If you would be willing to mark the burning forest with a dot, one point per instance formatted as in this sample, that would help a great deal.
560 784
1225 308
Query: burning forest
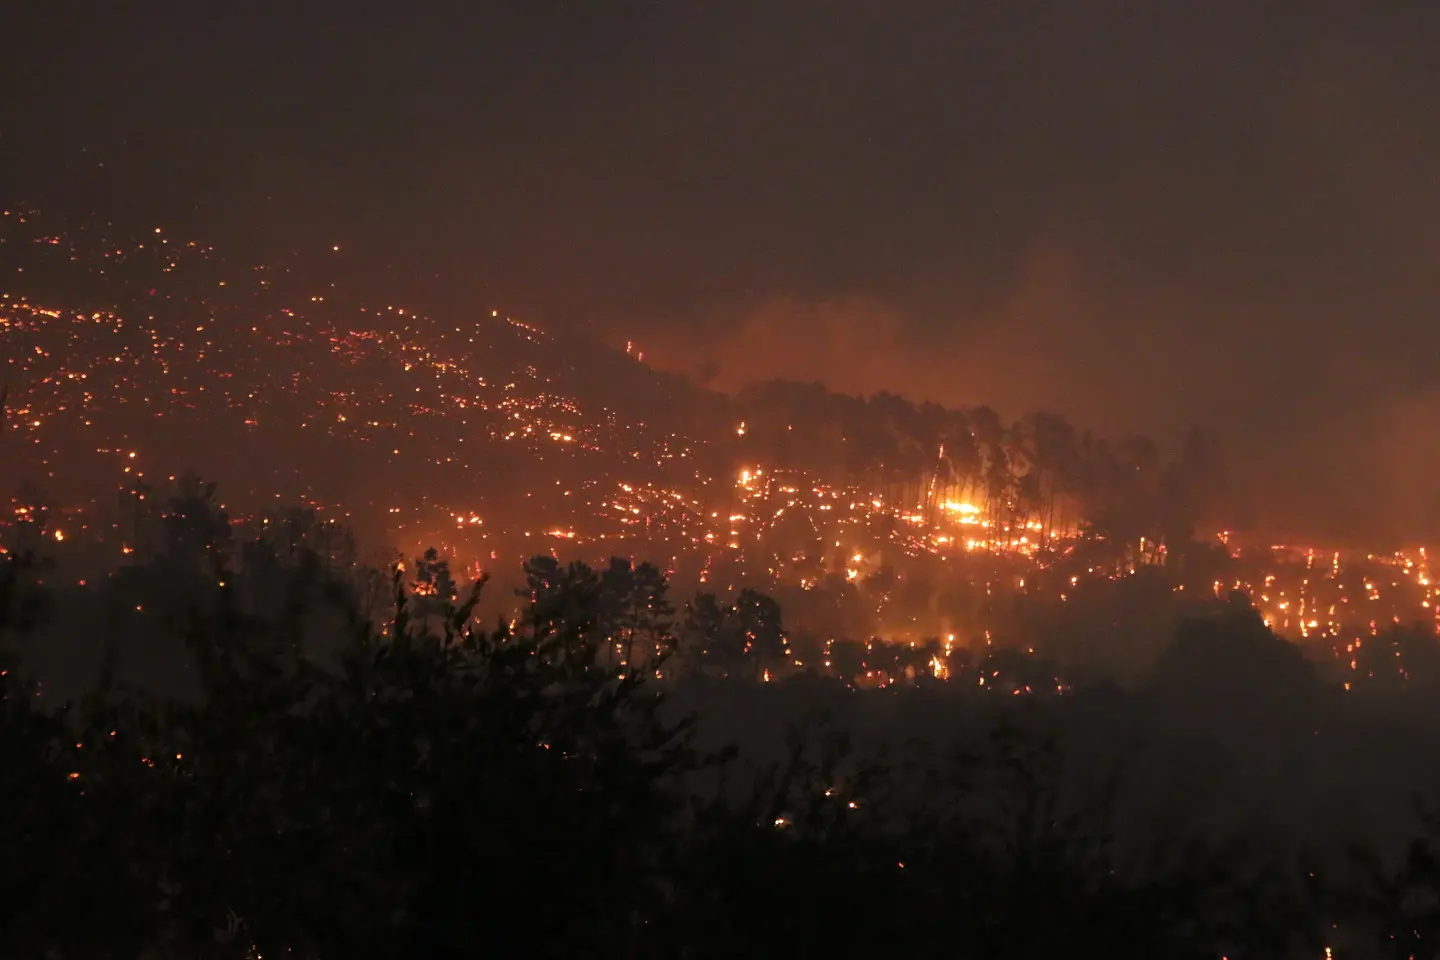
135 359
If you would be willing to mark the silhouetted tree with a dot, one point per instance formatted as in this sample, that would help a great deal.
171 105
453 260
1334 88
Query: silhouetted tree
353 804
759 621
433 577
710 630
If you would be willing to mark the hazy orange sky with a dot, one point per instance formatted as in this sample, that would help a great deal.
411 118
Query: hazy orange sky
1141 215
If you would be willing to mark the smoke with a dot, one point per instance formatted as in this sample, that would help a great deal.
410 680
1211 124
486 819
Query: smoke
1250 253
1052 339
1030 347
1364 476
1324 438
1141 216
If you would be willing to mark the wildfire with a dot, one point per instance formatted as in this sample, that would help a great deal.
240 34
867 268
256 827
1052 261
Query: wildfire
627 488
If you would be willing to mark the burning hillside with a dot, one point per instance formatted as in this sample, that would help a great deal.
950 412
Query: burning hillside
132 358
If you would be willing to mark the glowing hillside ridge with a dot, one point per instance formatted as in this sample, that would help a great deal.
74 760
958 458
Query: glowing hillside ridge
481 436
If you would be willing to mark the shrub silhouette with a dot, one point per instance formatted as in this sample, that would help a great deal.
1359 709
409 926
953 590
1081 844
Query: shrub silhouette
431 787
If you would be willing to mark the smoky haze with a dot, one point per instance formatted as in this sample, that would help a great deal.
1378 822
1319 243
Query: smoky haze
1140 216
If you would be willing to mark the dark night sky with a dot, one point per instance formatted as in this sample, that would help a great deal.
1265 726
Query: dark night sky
1139 213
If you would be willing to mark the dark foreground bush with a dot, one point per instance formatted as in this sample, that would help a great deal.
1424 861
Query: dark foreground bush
430 788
